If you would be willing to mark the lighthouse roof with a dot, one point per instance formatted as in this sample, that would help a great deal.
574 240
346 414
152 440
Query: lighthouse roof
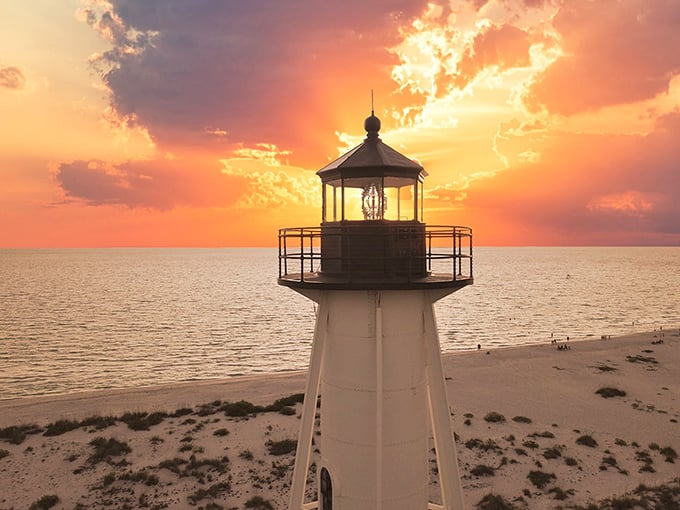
371 158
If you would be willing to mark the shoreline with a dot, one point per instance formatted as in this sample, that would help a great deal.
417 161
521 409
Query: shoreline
169 396
547 397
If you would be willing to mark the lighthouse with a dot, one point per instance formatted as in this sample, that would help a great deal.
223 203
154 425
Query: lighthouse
375 270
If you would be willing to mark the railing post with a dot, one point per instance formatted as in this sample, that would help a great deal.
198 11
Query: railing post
279 253
302 255
453 239
470 252
285 251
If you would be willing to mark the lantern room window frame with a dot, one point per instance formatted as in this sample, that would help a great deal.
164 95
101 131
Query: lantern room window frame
336 194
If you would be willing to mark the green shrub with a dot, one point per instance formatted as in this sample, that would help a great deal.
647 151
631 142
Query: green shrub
609 461
108 479
16 434
670 454
60 427
140 477
142 420
281 447
173 465
494 502
608 392
553 452
540 479
560 495
246 454
521 419
181 412
586 440
212 492
104 449
641 359
647 468
482 470
488 445
45 502
3 453
240 408
221 432
529 443
545 434
258 503
494 417
278 405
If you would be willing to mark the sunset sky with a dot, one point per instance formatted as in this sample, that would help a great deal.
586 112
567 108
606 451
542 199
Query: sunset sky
202 123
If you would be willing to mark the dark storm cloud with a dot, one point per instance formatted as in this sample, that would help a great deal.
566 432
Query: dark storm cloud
260 70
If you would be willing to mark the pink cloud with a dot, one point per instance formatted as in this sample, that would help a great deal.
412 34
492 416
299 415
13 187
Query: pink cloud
591 187
614 52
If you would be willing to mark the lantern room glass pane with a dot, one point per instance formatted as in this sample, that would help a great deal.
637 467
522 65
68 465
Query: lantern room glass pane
353 204
406 208
331 206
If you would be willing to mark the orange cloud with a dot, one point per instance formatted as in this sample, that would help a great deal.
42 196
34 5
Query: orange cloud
502 47
629 202
12 78
591 188
156 184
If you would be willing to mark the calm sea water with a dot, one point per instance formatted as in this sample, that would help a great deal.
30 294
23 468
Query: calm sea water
73 320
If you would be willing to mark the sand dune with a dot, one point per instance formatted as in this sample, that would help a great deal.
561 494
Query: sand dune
530 428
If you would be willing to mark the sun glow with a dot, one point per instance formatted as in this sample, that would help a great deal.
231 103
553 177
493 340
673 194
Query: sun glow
120 117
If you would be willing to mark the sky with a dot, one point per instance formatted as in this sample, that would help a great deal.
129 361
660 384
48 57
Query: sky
202 123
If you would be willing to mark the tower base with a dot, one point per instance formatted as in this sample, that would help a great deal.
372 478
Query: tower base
376 363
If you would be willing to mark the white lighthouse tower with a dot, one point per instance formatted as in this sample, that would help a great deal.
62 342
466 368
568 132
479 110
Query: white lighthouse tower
375 270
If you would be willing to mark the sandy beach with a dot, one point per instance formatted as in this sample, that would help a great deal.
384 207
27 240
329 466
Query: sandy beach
531 429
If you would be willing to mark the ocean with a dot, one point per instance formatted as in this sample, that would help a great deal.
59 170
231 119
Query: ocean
86 319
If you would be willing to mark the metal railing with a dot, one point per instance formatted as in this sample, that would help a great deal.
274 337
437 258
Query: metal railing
355 252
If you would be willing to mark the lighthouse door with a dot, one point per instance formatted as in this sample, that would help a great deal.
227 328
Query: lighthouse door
326 490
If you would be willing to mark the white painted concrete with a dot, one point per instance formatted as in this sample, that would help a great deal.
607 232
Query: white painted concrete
376 359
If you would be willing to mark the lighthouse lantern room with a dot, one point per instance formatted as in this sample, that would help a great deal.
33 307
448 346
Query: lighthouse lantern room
375 270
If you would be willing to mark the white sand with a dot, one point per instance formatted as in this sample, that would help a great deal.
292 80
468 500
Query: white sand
555 389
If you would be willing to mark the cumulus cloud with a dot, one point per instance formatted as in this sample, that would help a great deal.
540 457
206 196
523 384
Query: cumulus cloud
157 184
613 52
253 178
503 47
450 53
257 72
12 78
592 187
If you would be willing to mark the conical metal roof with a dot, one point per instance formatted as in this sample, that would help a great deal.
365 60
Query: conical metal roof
371 158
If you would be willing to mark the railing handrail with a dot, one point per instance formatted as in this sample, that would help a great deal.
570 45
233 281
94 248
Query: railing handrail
303 245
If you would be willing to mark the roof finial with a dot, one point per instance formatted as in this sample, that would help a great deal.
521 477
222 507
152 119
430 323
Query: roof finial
372 123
